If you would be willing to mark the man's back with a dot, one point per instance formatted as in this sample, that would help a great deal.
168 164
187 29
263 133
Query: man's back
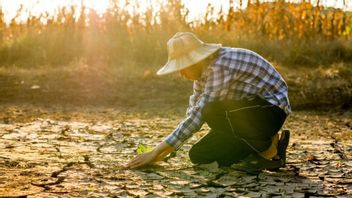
243 74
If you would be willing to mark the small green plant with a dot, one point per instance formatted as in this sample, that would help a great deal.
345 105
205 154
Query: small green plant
142 149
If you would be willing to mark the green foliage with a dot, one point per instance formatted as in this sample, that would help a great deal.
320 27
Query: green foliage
142 149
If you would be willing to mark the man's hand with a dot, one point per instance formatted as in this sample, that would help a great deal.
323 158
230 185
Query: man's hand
142 159
157 154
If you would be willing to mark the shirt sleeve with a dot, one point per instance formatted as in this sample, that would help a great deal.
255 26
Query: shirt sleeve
198 87
194 120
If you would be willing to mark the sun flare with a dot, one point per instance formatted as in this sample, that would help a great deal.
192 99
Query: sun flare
37 7
196 7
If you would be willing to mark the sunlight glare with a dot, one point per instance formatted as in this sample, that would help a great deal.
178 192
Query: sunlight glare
196 7
37 7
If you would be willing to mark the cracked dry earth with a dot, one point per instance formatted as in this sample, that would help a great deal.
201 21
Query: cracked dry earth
78 155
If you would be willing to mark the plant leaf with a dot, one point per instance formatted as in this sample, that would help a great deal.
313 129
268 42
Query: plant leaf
141 148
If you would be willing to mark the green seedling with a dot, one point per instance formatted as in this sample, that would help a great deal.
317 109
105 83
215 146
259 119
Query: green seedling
142 149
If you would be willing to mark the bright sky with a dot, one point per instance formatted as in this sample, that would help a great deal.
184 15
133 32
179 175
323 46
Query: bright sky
196 7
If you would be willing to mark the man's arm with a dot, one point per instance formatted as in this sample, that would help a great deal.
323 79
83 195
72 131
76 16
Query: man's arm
164 148
210 87
186 128
198 87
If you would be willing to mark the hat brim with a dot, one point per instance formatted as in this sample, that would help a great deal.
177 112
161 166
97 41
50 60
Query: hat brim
189 59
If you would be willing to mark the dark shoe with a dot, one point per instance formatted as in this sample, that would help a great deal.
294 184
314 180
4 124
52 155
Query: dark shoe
283 143
255 163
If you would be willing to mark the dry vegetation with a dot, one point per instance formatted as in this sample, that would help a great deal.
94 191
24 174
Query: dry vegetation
310 44
308 33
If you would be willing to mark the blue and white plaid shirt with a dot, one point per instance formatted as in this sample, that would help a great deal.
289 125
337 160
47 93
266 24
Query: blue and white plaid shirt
235 74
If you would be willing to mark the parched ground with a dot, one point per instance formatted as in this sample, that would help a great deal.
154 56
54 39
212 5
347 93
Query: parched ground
80 153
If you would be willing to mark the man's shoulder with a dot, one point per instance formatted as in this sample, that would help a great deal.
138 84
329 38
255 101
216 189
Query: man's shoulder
235 49
239 54
235 53
228 55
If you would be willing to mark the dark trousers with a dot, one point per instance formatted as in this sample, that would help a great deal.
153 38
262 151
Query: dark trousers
238 128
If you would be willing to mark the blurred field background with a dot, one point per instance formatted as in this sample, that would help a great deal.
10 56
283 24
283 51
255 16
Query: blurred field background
80 57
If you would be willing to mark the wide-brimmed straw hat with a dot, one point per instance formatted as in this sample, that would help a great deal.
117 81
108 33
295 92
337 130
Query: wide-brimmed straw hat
184 50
